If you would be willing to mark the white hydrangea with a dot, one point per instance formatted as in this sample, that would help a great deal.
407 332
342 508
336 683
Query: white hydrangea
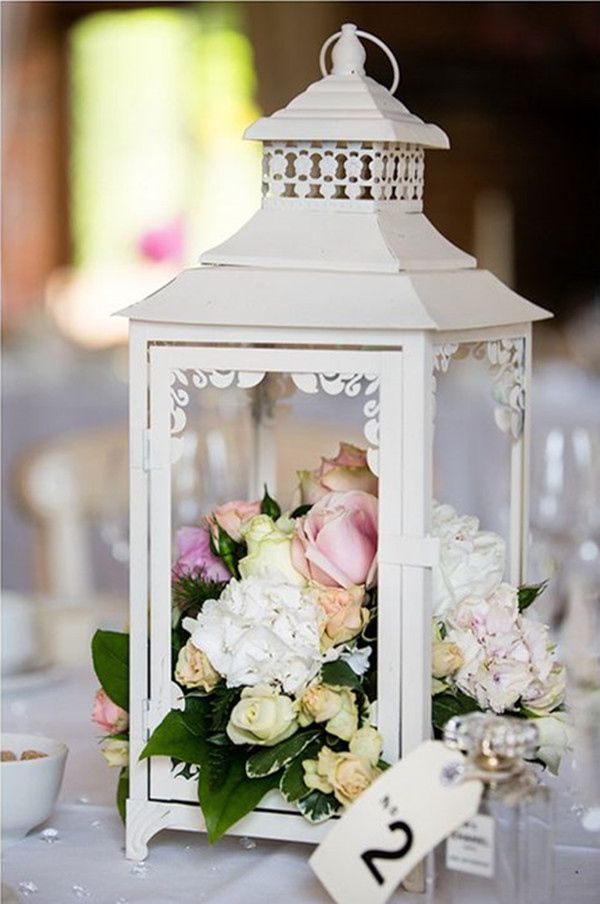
507 657
261 631
471 561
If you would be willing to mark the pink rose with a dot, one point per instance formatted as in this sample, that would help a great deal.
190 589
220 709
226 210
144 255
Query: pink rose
107 715
336 542
193 544
231 517
347 471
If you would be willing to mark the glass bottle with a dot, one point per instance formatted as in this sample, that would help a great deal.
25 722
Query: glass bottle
505 854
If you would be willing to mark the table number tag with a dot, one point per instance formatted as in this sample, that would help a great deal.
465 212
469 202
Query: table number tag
393 825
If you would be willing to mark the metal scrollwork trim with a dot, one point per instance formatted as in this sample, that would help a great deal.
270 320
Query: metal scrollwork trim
350 385
220 379
506 358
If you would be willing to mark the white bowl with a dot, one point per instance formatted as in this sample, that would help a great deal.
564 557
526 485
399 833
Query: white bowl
29 787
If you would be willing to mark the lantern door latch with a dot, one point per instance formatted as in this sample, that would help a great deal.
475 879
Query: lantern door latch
401 549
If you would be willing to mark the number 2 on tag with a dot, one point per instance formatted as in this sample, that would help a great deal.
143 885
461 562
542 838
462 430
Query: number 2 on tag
374 854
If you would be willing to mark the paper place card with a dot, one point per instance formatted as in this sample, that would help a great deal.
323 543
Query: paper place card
471 848
394 824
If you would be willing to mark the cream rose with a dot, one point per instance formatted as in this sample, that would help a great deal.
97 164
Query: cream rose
116 752
193 669
446 658
336 706
367 743
344 775
262 716
345 616
269 550
318 703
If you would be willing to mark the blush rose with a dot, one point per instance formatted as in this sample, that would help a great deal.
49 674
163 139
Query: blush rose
347 471
107 715
336 541
231 516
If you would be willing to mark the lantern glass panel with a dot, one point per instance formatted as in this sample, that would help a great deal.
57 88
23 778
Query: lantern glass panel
472 453
225 433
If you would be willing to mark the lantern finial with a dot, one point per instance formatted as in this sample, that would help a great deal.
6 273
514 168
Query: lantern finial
348 54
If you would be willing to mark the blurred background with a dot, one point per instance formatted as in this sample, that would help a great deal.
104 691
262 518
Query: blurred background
122 160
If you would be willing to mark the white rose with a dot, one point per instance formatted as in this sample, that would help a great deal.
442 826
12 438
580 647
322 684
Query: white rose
261 631
543 696
555 735
262 716
471 561
116 752
269 550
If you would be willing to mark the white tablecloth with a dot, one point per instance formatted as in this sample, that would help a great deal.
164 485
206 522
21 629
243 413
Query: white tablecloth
181 867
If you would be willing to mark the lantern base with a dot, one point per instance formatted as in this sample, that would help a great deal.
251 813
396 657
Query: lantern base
145 818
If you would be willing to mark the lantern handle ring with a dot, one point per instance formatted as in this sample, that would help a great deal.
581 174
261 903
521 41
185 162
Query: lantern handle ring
369 37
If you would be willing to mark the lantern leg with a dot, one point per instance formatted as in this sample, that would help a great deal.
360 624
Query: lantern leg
144 820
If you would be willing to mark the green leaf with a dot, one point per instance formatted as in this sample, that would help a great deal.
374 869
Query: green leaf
220 740
446 705
292 784
529 593
233 797
269 507
110 655
317 807
196 716
123 792
180 735
230 551
300 511
339 674
217 765
272 759
221 702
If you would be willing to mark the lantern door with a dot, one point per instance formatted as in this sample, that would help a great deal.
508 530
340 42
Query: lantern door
226 422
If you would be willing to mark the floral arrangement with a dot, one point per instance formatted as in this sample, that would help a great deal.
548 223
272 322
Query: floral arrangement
275 652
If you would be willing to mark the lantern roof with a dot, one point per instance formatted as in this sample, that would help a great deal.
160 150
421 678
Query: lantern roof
347 105
340 239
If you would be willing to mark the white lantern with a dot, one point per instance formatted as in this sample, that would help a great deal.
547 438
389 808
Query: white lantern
340 290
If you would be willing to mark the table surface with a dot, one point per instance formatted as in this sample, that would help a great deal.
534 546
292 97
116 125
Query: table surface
87 861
